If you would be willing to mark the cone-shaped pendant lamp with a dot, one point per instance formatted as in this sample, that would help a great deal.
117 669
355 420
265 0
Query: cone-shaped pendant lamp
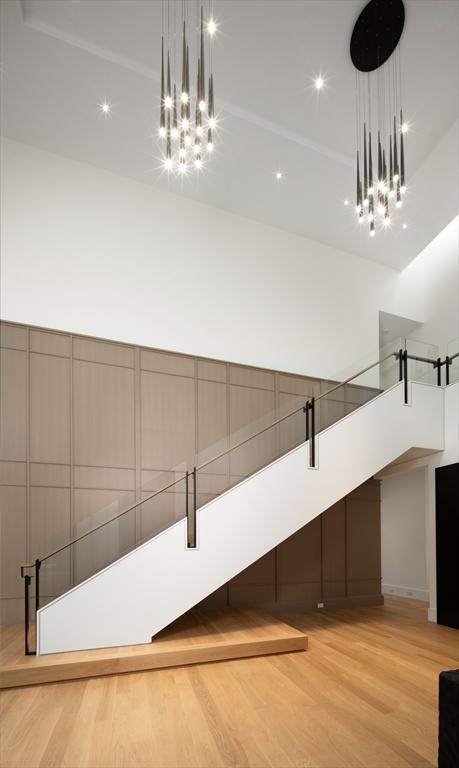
370 167
402 155
391 167
365 168
359 186
162 120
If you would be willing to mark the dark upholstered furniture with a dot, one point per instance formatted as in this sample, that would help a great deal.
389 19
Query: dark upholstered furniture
448 725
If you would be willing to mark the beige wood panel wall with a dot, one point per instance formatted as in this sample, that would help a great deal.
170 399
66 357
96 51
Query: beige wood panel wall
88 426
335 559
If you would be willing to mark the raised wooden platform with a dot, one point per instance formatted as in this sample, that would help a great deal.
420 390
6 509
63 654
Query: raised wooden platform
195 638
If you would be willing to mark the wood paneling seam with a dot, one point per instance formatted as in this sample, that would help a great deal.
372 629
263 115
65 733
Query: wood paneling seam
71 457
28 511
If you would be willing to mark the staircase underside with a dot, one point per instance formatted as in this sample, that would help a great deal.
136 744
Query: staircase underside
196 637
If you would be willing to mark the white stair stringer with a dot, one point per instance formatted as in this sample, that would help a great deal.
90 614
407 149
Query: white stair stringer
141 593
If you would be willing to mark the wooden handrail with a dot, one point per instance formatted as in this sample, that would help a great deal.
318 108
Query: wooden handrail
297 410
209 461
356 376
292 413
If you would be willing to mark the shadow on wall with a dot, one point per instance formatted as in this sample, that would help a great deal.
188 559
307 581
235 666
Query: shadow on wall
403 535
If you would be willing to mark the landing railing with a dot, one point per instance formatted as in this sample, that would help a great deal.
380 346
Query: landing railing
89 553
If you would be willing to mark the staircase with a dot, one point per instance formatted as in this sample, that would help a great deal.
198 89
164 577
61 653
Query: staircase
142 592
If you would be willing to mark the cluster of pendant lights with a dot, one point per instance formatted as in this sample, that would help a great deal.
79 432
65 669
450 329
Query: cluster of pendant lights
380 128
378 194
187 120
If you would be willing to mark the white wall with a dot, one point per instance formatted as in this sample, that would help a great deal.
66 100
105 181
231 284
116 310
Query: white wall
434 274
87 251
403 535
390 500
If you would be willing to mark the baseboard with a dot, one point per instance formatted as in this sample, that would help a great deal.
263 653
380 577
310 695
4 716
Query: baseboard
336 602
415 594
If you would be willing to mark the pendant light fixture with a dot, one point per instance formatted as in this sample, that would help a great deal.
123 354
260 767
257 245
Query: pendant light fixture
375 53
187 118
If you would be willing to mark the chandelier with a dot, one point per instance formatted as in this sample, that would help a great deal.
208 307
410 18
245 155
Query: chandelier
187 120
380 127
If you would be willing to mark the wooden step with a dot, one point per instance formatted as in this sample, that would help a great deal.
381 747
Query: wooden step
195 638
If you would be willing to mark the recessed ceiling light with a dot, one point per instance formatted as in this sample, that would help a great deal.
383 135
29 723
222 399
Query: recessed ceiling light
105 108
319 83
211 26
279 175
346 202
405 226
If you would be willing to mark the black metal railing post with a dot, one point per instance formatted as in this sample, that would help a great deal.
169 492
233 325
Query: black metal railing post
447 364
187 511
37 586
405 376
312 441
191 519
27 580
400 364
306 413
438 365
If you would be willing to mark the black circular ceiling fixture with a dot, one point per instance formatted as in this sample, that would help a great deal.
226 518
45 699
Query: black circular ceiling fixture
376 33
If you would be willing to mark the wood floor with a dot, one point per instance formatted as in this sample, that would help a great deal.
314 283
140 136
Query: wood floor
199 636
364 696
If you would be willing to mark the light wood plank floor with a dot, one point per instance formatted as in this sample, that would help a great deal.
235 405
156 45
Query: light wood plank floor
363 696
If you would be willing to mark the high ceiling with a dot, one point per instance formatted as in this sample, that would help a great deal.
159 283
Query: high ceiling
61 58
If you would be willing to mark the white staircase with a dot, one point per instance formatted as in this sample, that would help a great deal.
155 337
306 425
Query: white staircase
144 591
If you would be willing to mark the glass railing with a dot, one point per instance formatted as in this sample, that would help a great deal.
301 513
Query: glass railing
169 497
422 361
380 376
389 370
426 366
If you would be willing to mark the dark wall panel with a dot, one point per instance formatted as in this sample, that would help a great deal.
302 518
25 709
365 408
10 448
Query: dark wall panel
447 538
335 559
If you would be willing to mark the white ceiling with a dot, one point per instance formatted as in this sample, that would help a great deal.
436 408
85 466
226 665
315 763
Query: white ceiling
62 57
